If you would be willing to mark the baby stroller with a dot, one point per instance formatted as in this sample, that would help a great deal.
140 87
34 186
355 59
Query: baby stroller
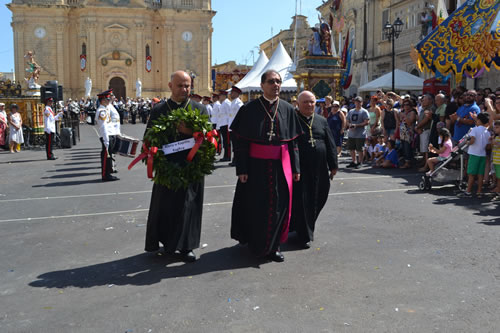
444 172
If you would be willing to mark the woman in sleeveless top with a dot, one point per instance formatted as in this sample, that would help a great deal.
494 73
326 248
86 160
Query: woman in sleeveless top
336 122
407 121
3 127
16 129
390 120
374 112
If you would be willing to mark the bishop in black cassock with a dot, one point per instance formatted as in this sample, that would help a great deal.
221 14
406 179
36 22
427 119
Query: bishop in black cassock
318 164
266 157
175 216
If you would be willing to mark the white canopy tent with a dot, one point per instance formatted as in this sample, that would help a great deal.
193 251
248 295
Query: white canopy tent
254 72
402 81
280 62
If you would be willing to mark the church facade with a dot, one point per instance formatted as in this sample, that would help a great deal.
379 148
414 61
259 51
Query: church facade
121 44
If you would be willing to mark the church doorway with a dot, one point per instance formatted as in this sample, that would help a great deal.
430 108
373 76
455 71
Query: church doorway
118 86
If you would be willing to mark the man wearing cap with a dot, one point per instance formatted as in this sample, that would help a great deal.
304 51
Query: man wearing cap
318 165
106 130
236 104
114 129
215 111
174 217
49 122
197 98
223 120
357 120
267 162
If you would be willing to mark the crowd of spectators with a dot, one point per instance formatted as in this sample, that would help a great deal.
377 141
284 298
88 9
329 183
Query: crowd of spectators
418 132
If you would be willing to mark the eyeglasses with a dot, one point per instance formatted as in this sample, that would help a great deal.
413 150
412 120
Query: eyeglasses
273 81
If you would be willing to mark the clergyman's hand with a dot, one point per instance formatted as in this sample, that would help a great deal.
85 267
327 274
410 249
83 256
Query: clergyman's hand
243 178
296 177
333 172
183 129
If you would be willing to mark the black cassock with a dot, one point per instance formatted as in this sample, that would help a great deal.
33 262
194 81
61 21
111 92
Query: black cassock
175 216
260 206
311 192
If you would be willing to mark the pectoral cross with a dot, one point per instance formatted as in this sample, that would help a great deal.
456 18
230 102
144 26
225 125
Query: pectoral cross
271 134
312 141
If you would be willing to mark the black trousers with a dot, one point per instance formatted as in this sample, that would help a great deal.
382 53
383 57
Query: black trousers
107 157
226 141
49 143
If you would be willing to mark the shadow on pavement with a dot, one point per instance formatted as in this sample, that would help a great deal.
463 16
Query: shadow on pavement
71 175
71 183
73 169
78 163
22 161
90 157
145 269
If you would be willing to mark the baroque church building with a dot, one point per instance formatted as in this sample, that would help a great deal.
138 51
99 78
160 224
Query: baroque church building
115 43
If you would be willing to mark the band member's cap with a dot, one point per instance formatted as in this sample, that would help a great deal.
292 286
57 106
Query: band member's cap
222 92
237 90
214 95
207 98
105 94
196 96
49 99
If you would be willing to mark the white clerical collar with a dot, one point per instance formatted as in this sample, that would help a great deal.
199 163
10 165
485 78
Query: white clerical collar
271 101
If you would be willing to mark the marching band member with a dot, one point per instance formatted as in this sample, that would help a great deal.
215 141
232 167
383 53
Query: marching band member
222 123
104 126
236 104
49 121
114 130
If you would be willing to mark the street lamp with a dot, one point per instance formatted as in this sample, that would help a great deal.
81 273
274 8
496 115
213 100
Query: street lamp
392 32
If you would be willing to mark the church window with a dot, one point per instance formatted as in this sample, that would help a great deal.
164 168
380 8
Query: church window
187 3
148 53
84 49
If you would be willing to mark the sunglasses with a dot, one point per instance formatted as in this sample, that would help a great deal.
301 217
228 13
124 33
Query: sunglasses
273 81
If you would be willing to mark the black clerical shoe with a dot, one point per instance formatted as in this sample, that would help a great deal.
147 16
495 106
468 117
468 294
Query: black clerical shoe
114 171
225 159
110 179
232 164
276 256
52 158
306 245
188 256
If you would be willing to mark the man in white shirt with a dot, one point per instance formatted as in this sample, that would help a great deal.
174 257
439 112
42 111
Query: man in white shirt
114 130
223 122
215 111
106 129
49 122
236 104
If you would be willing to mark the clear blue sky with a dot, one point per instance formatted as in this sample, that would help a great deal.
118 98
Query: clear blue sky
239 27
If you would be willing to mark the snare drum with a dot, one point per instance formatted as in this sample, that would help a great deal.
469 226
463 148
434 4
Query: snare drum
126 145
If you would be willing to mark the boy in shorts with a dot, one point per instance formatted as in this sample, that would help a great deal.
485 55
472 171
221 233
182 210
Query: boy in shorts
479 142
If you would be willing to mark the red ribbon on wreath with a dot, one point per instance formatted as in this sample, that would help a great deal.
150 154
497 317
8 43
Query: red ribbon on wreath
149 153
198 140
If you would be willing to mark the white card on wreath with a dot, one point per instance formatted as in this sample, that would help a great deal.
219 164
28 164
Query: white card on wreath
178 146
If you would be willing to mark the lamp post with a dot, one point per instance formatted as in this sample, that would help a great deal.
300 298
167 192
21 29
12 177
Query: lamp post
392 32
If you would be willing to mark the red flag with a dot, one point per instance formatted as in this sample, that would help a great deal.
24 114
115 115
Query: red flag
345 51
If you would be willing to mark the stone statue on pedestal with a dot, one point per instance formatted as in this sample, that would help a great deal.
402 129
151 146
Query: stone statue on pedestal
88 87
138 88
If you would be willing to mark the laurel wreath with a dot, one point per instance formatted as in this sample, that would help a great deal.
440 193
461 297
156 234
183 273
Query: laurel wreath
177 175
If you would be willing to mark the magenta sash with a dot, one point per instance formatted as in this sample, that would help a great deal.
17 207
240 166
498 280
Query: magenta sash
268 152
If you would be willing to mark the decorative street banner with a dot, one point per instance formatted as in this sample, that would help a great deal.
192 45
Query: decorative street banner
178 146
148 63
83 62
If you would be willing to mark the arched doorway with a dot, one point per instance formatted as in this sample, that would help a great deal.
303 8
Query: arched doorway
118 86
415 72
